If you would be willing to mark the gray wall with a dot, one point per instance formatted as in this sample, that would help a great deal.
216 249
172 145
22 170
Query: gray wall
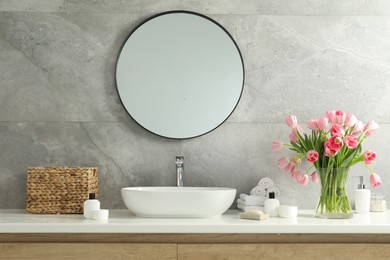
59 105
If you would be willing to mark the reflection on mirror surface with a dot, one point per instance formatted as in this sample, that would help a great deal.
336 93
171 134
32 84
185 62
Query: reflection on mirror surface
179 74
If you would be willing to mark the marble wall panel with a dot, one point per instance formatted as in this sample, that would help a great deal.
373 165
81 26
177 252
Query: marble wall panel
125 154
291 65
59 106
61 66
88 6
31 5
121 6
288 7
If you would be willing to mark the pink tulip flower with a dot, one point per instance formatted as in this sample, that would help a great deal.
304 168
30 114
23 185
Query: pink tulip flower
318 124
298 175
292 121
375 180
293 164
351 141
304 180
357 128
328 151
312 156
340 117
283 162
350 120
369 156
287 164
301 178
331 115
277 145
370 128
293 137
312 124
336 117
290 168
322 123
314 177
337 130
335 143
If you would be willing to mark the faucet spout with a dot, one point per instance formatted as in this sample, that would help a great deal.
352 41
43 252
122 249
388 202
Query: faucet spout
179 170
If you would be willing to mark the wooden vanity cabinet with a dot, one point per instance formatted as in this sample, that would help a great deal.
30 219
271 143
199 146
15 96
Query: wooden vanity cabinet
194 246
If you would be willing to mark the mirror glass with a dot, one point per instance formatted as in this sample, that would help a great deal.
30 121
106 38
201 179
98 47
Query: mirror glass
179 74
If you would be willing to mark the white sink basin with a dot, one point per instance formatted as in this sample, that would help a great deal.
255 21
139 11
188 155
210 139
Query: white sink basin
178 202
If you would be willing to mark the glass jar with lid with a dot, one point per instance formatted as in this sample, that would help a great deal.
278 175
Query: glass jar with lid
377 203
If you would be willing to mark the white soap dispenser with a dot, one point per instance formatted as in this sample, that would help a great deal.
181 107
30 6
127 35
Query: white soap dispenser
90 205
271 205
362 198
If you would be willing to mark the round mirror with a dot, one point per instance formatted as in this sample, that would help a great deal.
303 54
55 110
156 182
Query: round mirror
179 74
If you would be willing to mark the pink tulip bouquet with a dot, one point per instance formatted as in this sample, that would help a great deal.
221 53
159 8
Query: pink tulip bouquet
332 147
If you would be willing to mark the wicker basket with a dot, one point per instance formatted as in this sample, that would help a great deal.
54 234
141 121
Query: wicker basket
59 190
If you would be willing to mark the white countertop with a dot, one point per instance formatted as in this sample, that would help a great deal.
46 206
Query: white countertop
123 221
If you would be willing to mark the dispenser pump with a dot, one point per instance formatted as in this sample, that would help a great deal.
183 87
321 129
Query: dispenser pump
361 186
362 198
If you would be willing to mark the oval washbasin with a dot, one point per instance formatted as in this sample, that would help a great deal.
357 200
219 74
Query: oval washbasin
178 202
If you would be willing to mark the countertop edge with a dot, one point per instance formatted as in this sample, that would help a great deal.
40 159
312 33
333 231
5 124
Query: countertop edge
192 238
123 222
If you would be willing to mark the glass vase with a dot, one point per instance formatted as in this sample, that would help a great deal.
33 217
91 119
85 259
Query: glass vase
334 201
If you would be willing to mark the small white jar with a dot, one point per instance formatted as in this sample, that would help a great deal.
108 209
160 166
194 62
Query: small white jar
100 215
288 211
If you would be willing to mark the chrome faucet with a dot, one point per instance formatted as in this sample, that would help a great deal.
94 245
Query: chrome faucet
179 170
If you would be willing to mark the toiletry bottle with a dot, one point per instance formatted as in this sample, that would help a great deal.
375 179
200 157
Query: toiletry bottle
90 205
271 205
362 198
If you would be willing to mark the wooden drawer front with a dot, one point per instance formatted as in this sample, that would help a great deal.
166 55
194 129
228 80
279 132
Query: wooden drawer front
84 251
283 251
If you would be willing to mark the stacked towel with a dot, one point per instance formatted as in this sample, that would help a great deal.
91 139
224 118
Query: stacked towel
266 183
249 208
258 195
264 187
250 200
247 202
259 191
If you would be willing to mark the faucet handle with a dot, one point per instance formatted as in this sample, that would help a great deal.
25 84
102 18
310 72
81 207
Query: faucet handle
179 160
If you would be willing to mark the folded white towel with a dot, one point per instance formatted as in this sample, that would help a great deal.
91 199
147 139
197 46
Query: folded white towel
275 190
249 208
258 203
243 196
251 200
242 202
259 191
266 183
